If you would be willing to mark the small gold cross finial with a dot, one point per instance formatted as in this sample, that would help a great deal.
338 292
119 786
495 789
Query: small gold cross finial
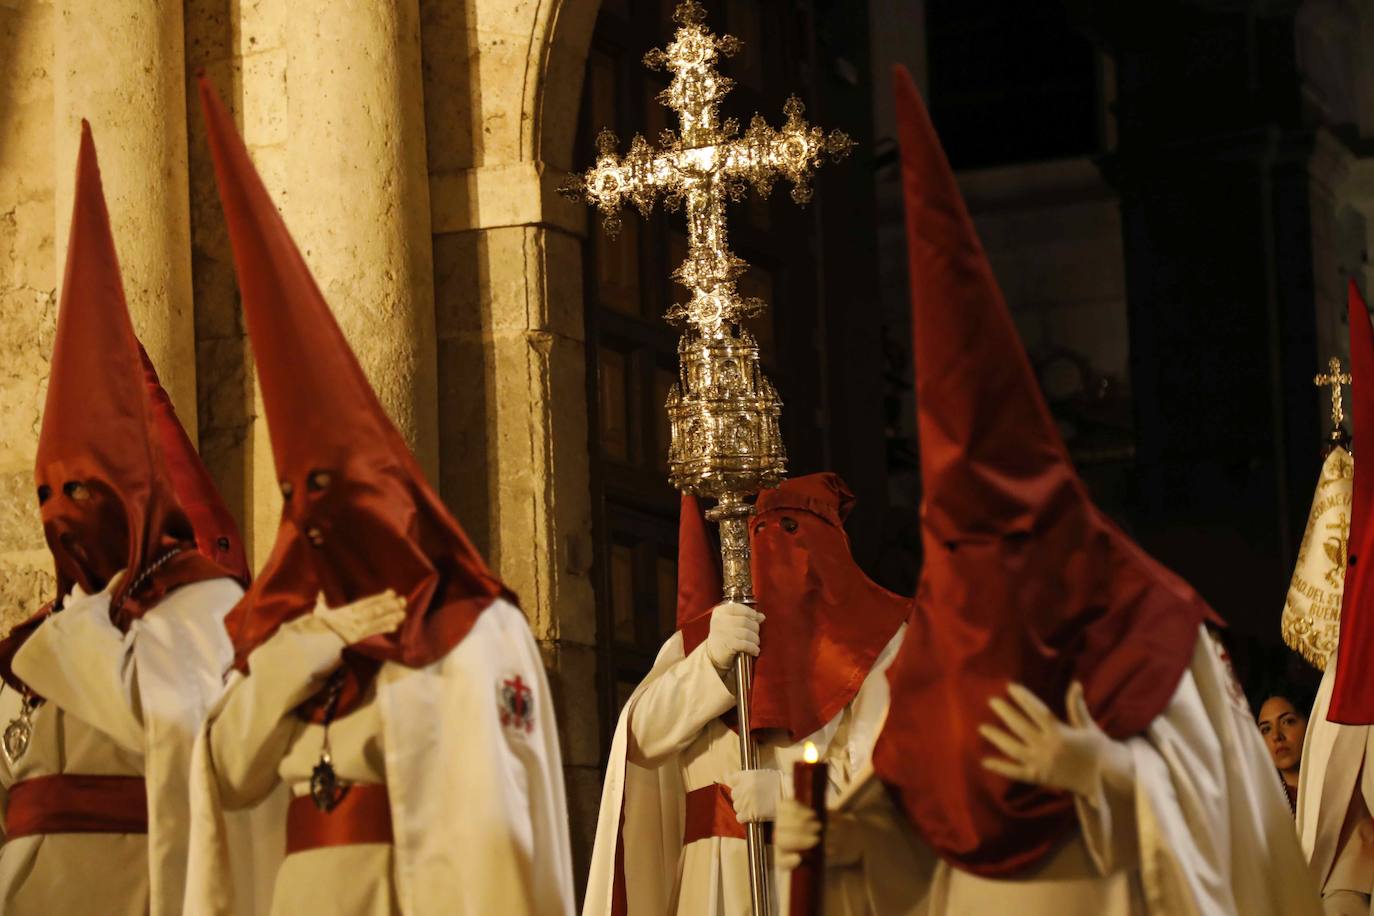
1335 378
705 164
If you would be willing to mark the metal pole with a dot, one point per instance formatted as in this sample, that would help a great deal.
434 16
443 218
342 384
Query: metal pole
731 514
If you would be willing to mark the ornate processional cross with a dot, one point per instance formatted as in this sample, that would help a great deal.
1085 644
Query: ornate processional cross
723 413
1335 378
703 165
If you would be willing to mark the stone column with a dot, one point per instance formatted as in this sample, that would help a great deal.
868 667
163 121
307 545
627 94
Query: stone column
503 82
27 297
356 193
120 65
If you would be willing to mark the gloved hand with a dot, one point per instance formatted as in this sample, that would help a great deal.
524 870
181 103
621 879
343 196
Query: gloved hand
1076 756
755 794
110 587
370 616
77 597
78 594
734 629
795 831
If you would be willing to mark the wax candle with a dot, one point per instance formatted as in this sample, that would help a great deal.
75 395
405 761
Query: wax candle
809 781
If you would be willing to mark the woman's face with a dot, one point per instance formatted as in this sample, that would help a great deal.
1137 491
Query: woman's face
1283 728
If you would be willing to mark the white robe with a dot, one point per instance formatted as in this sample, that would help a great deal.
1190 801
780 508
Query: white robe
1335 797
477 807
678 743
1207 832
140 694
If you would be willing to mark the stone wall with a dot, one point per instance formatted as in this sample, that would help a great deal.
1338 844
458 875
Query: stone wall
28 290
413 149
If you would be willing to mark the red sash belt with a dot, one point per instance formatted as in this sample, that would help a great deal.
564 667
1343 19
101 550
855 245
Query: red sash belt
71 803
710 812
363 815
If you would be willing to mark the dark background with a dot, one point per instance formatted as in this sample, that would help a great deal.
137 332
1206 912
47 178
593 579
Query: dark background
1162 187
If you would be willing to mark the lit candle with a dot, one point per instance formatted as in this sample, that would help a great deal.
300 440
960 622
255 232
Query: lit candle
809 781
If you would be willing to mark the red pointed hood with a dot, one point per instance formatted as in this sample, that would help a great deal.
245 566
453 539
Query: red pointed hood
217 534
97 432
698 573
358 511
1024 579
1352 697
826 621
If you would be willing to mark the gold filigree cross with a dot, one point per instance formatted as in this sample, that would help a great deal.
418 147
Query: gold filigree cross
703 165
1335 378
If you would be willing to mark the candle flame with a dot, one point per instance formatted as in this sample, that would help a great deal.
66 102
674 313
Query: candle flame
810 755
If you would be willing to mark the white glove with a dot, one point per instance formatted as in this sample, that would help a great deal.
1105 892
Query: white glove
1076 756
78 594
370 616
734 629
755 794
797 830
110 587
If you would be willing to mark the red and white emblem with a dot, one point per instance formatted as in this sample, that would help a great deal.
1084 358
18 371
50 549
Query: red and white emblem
1233 688
516 701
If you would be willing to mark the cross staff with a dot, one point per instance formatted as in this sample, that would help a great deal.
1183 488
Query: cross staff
703 165
1335 378
723 412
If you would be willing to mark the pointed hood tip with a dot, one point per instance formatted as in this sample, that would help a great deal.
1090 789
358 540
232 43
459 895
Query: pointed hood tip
88 160
699 586
967 352
902 81
209 94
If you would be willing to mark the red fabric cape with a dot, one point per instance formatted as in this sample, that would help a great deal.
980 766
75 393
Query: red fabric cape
1024 579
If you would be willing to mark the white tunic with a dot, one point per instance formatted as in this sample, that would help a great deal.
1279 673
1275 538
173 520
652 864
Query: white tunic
121 704
669 741
1207 832
478 812
1335 788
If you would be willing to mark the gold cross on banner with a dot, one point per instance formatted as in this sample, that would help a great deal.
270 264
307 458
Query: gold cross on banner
1335 378
702 165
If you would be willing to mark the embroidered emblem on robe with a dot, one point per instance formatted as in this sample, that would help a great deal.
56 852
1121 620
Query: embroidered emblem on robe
516 701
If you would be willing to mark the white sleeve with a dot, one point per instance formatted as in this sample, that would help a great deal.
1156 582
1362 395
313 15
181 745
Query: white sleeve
671 711
179 651
252 731
80 661
1107 816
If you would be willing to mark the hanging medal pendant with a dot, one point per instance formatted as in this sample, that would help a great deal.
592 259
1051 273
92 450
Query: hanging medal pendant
19 732
325 788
